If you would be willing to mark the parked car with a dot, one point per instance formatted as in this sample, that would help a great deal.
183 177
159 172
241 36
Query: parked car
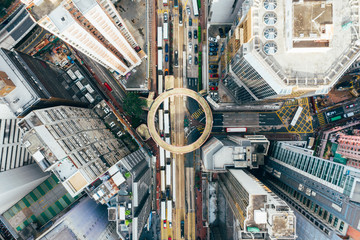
195 34
166 58
212 49
213 83
188 10
166 47
212 70
214 75
350 106
213 66
196 48
165 17
212 39
196 61
211 44
213 88
190 59
190 46
212 53
190 34
190 22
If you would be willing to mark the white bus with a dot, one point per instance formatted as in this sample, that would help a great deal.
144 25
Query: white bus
162 157
168 174
169 212
161 120
166 104
159 37
195 8
160 60
165 30
160 84
163 210
297 115
162 172
166 123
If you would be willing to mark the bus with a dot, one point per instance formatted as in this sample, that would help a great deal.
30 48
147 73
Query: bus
176 58
335 118
169 212
160 84
161 120
160 60
165 30
107 86
162 183
195 8
167 123
236 129
166 104
162 157
297 115
159 37
168 174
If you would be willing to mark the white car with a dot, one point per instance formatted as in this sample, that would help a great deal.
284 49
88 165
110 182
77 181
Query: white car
188 10
165 17
213 39
190 59
190 46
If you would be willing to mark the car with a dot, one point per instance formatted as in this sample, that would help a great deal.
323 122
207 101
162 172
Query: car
166 71
213 66
190 34
221 31
190 46
212 53
212 49
214 75
212 70
211 44
195 34
213 83
165 17
166 58
190 22
188 10
213 88
350 106
196 48
190 59
212 39
166 47
196 61
164 223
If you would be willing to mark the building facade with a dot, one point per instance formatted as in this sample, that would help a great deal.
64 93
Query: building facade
258 212
325 192
93 27
276 52
348 147
234 151
29 83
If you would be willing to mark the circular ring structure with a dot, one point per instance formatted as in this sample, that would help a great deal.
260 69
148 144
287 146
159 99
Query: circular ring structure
180 92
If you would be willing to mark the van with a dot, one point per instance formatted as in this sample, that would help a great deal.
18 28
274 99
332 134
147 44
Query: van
190 22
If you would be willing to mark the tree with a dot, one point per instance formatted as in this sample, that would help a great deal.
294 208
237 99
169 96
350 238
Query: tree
133 105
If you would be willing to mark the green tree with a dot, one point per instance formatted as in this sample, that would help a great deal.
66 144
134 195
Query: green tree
133 105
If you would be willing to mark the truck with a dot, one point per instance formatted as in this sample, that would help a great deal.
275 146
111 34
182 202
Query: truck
182 228
161 120
165 31
163 212
162 157
168 174
236 129
162 173
169 213
166 104
167 123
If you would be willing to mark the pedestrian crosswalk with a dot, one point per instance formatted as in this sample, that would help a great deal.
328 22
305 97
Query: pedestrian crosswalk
321 119
197 114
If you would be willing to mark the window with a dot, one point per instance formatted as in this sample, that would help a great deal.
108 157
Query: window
341 226
335 222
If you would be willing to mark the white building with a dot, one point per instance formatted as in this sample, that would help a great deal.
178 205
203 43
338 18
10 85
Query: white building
93 27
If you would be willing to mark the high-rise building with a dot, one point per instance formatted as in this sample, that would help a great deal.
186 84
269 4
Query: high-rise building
29 83
223 12
234 151
93 27
257 212
277 48
71 142
349 147
15 161
325 192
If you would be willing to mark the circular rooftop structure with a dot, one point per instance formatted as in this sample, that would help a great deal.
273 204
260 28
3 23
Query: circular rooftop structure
154 109
270 18
270 33
270 4
270 48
